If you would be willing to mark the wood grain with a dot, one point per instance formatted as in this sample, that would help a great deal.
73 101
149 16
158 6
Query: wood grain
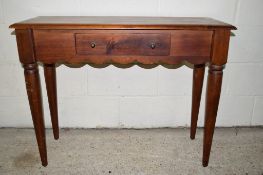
220 47
191 43
123 41
198 78
33 88
121 22
54 44
213 90
214 83
51 87
75 46
24 39
123 44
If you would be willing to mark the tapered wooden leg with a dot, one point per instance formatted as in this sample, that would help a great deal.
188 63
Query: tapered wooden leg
198 78
213 91
50 77
35 100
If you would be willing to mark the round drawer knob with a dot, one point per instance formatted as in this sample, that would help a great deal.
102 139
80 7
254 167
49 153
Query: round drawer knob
92 45
153 45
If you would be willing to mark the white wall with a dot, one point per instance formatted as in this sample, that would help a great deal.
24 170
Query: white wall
136 97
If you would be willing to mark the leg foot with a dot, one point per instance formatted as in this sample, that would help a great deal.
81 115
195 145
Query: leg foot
205 163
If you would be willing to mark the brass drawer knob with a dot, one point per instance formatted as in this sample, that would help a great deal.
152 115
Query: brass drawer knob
92 45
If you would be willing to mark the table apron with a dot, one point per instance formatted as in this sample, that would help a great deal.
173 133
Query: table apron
149 47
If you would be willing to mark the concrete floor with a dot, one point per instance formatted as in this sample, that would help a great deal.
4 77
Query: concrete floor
132 152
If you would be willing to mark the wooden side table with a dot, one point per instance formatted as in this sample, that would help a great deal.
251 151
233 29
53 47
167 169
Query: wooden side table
148 41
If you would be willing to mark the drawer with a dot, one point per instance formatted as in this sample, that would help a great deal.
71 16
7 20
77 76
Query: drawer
146 44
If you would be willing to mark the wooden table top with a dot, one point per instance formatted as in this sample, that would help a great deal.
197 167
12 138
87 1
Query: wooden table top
120 22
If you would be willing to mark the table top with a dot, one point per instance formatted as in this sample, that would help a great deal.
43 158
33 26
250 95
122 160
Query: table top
120 22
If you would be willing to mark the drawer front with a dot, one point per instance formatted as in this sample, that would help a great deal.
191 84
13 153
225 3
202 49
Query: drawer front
123 44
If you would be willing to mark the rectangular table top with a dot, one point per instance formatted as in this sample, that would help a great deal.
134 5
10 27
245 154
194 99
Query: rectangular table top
120 22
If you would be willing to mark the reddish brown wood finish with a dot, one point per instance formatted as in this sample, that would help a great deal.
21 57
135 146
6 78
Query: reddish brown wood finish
191 43
27 58
123 44
25 46
51 86
54 44
35 100
214 82
110 45
220 47
121 22
198 77
213 90
53 40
